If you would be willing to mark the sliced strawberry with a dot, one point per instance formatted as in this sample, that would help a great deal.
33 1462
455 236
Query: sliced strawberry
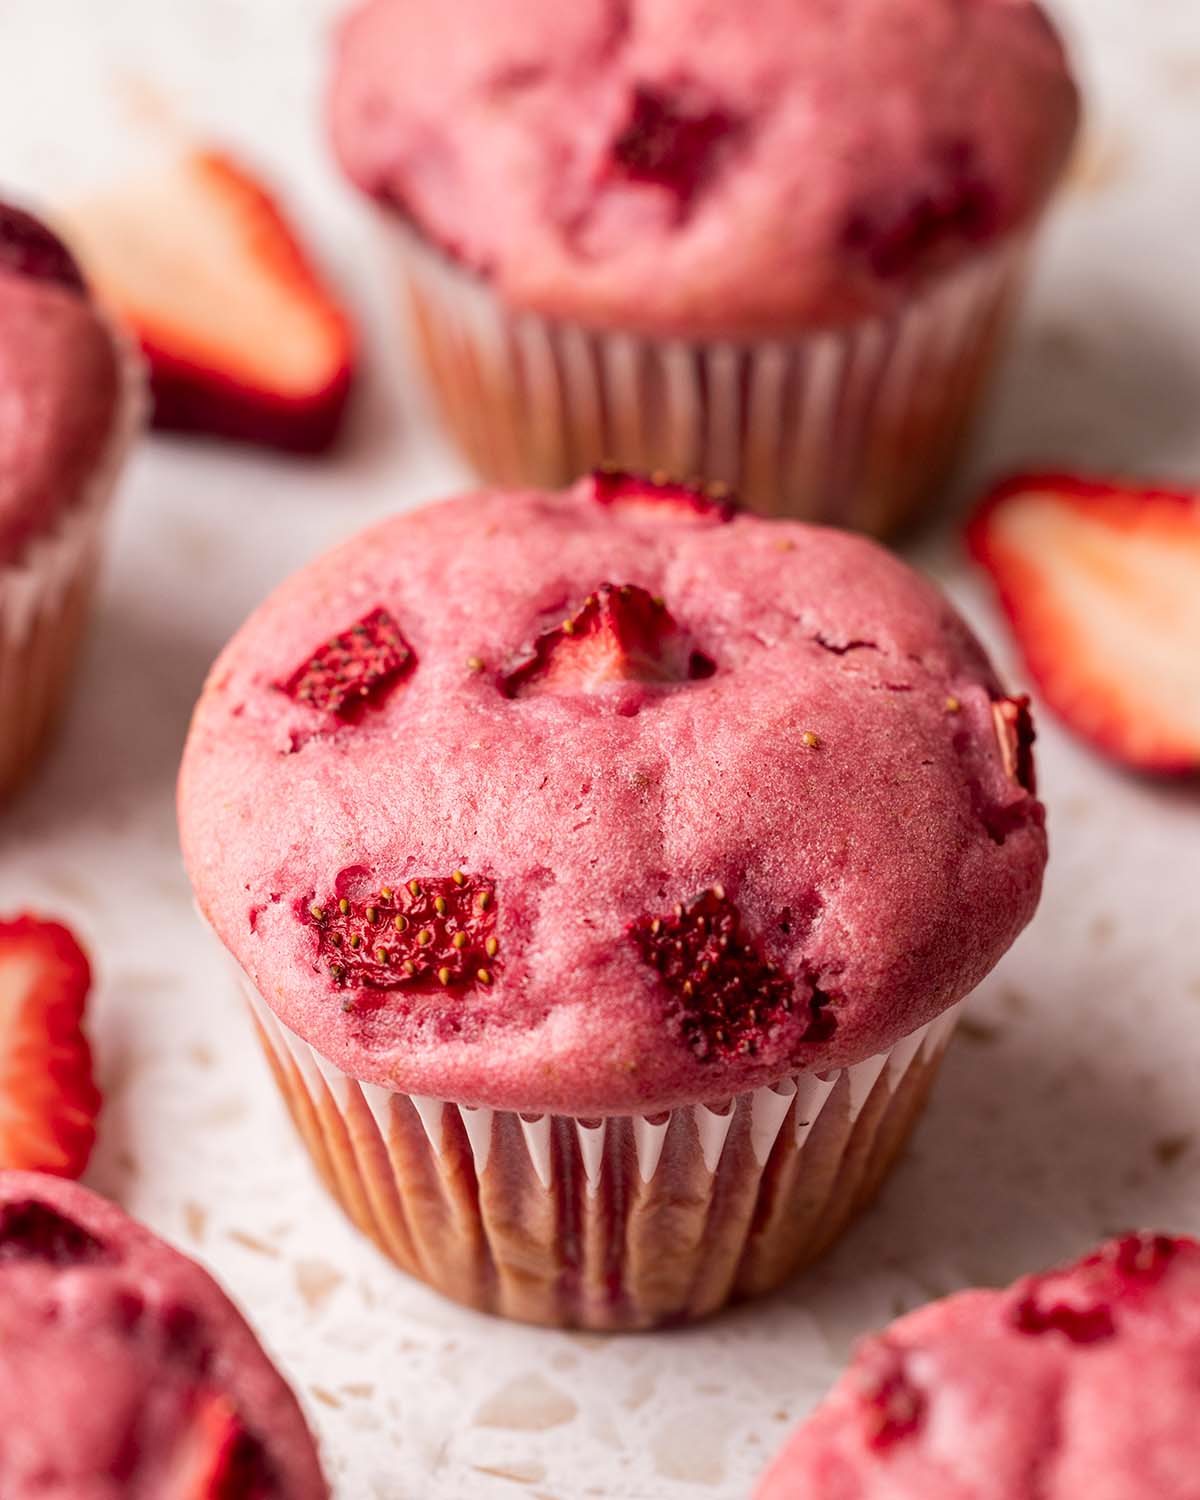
658 497
671 141
244 339
1102 585
618 634
27 248
353 669
217 1458
727 996
48 1101
427 932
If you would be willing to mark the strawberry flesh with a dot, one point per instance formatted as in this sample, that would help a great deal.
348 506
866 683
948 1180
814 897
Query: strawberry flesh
354 669
892 1406
31 1230
618 634
727 996
243 338
29 249
48 1100
218 1458
427 933
1082 1325
671 142
658 497
1101 585
1015 732
1142 1257
1115 1273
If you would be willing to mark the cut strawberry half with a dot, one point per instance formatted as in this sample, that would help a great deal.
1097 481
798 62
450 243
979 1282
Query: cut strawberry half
48 1101
618 634
217 1458
658 497
1102 585
244 339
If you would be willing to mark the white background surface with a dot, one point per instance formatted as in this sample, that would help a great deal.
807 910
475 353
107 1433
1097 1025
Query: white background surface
1067 1109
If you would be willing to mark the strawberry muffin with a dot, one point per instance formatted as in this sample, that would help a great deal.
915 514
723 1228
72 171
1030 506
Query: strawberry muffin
1080 1383
68 407
125 1371
605 869
776 244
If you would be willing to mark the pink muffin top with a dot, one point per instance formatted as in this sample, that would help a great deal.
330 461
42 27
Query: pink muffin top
701 167
125 1371
59 382
1082 1384
607 800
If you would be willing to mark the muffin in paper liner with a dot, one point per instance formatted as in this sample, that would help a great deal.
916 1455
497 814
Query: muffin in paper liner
624 1222
856 426
46 595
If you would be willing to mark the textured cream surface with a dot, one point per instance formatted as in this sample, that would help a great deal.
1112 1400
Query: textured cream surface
1067 1106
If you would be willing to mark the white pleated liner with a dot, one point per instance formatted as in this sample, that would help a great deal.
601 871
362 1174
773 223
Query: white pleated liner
769 1107
44 593
851 426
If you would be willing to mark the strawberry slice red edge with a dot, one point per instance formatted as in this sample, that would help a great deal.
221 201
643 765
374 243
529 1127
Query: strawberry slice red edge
62 1102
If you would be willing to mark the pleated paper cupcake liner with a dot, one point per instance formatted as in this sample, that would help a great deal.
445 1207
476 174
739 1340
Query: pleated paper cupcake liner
45 599
855 427
625 1222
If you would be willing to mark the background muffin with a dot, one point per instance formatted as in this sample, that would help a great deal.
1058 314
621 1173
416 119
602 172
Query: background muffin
125 1372
775 245
605 867
68 407
1078 1382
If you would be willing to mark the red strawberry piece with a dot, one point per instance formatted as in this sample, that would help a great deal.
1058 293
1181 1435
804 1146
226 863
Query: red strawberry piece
671 141
217 1458
658 497
618 634
1015 732
1142 1257
426 933
243 337
892 1406
1088 1324
34 1231
353 669
27 248
727 996
1101 583
48 1101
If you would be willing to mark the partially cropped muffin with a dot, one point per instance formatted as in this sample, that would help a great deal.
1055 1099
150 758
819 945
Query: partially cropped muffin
69 406
125 1371
776 244
1080 1384
606 868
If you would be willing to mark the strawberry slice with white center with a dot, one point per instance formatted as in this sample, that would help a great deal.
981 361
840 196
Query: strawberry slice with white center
1101 583
243 338
48 1101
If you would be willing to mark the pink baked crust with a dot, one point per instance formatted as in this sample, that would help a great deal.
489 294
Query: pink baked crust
845 150
986 1407
908 859
60 385
102 1356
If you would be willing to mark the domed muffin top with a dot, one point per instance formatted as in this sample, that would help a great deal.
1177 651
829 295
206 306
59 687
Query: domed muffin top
701 167
1077 1383
59 382
125 1372
607 800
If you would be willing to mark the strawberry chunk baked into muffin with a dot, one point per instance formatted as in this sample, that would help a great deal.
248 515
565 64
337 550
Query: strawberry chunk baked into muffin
1079 1383
68 408
775 244
605 868
125 1371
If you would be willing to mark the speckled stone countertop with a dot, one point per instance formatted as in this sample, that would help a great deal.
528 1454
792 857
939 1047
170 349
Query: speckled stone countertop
1068 1105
